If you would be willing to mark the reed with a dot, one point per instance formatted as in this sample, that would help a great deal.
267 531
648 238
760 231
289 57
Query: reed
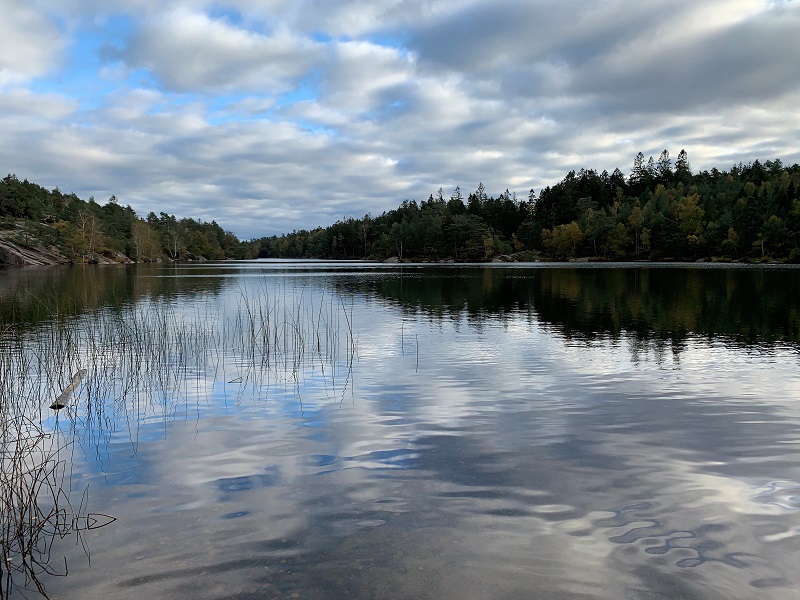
112 367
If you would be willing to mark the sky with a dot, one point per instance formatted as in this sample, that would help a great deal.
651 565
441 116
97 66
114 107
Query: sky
273 115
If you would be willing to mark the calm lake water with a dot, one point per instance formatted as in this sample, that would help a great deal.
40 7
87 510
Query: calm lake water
335 430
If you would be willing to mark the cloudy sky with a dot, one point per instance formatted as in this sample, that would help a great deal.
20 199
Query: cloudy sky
271 115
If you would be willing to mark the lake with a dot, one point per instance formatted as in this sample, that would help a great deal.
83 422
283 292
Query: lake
324 430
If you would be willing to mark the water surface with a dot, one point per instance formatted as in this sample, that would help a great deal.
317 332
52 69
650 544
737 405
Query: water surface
428 432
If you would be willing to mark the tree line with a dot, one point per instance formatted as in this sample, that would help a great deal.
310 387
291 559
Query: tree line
660 211
86 231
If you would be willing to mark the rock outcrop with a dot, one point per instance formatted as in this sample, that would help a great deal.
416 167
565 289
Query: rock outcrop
15 252
17 255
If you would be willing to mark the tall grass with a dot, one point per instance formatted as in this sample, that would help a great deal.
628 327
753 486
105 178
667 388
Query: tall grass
80 378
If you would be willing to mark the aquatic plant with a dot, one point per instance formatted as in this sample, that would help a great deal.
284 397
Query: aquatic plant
78 378
36 503
35 506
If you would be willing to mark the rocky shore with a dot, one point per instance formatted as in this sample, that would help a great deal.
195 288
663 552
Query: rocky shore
19 249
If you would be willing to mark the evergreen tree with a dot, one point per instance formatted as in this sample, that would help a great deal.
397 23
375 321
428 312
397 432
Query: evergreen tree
683 171
664 168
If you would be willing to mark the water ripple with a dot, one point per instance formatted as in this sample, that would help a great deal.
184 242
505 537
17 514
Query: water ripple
785 494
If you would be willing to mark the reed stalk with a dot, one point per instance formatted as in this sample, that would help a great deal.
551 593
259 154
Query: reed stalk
114 366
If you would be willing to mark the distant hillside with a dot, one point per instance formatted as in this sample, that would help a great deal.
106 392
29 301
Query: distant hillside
40 226
661 211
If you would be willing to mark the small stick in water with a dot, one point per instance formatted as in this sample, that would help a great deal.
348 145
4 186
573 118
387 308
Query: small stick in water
61 401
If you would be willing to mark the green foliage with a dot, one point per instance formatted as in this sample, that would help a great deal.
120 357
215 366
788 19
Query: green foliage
659 212
86 231
662 212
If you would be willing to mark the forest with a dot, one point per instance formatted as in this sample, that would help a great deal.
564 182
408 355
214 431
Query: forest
660 211
85 231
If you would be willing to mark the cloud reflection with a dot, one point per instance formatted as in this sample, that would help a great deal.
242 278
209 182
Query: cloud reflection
512 456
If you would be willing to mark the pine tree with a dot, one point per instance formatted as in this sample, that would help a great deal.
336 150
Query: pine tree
664 168
683 171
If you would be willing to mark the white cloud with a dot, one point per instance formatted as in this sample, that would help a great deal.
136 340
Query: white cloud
271 116
30 43
189 51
